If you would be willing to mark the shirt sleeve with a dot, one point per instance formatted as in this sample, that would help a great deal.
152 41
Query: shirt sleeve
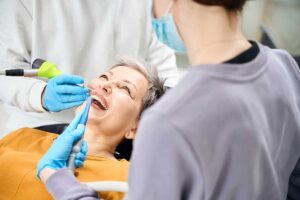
163 164
15 52
62 185
164 58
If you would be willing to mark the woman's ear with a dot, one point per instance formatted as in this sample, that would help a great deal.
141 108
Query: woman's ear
131 134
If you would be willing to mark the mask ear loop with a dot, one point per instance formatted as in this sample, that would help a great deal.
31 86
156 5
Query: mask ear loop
169 7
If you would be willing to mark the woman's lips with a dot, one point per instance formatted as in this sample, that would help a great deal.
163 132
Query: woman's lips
100 102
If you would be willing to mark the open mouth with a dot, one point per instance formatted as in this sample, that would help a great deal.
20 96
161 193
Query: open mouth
100 102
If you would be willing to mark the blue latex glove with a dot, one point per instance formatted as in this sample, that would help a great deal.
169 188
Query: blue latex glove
62 93
57 156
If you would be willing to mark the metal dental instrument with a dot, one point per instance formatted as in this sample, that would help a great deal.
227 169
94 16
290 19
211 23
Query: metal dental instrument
84 86
77 146
90 89
40 68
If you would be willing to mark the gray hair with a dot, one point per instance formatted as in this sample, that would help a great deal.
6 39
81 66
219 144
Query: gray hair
156 84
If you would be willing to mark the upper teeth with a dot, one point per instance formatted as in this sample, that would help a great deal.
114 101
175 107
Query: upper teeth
100 100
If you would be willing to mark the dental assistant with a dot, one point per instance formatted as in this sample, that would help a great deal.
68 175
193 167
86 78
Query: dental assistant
81 37
230 129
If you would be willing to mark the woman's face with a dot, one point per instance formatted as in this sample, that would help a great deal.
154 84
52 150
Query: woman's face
117 97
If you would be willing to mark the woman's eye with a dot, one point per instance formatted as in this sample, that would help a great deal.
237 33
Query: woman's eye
104 76
127 89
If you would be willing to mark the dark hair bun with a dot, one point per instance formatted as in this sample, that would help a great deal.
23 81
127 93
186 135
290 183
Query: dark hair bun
232 5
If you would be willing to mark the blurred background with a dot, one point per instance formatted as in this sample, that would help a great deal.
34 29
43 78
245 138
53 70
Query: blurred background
275 23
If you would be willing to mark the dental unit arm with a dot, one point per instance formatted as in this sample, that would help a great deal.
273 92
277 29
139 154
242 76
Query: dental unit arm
40 68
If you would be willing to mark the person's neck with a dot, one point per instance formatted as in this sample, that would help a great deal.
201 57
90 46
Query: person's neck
99 145
214 39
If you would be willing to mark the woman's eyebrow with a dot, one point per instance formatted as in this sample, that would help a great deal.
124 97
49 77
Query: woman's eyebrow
110 73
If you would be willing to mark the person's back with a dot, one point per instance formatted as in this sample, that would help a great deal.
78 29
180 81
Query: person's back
235 130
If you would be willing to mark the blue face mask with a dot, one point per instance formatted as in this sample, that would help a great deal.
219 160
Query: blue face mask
167 33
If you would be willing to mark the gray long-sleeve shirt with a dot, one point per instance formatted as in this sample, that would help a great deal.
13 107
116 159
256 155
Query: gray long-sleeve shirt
227 131
62 185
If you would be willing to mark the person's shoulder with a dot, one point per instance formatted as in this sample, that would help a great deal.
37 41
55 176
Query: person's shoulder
281 54
194 87
23 137
34 134
197 99
281 57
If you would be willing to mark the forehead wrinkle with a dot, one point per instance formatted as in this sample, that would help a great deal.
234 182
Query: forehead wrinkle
110 72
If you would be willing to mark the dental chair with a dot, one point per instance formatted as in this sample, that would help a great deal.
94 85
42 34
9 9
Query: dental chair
123 151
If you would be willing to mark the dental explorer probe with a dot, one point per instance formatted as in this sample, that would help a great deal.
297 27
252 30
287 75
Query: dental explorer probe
77 146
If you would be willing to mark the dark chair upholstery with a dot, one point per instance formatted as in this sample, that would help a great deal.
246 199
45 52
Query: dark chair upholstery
294 184
123 150
53 128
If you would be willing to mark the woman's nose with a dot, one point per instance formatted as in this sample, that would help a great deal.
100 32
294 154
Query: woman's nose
103 88
107 89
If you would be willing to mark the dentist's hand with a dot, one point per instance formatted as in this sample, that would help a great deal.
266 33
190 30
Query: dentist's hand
57 156
62 93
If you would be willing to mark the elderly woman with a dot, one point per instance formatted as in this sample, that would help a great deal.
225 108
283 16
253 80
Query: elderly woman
119 97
